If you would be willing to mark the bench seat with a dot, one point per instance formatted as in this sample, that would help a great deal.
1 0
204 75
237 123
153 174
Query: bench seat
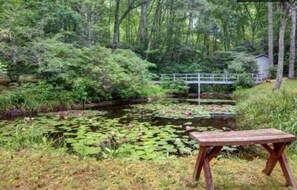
247 137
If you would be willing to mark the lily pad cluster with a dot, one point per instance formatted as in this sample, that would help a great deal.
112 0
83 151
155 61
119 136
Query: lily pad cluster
211 101
95 135
182 110
133 132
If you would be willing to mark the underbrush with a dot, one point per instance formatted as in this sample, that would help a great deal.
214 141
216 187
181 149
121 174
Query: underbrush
261 107
32 98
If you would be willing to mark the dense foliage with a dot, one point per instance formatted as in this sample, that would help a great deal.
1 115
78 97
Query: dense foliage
179 36
93 73
83 75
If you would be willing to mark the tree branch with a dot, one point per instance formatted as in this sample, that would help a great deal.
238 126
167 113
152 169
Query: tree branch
131 7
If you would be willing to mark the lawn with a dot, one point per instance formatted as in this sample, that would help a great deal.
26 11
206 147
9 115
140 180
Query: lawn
267 87
32 169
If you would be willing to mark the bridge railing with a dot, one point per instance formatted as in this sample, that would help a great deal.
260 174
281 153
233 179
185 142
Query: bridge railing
200 77
207 77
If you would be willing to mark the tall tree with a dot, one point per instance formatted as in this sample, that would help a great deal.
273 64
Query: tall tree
292 43
284 7
270 33
132 4
143 26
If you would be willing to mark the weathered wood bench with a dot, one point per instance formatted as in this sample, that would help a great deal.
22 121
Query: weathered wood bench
212 142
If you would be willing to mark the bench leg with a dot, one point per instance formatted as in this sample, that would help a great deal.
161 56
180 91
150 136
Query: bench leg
204 157
199 162
287 171
277 155
274 156
207 174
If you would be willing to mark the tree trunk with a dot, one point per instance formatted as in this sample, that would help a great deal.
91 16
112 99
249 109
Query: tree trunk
189 39
292 44
170 26
143 26
270 34
116 29
281 50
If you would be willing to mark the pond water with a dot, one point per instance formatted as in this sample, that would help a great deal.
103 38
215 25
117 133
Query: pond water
147 131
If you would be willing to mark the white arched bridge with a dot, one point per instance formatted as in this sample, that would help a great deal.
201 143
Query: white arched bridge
206 78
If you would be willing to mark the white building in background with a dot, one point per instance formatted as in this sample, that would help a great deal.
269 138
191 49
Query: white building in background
263 65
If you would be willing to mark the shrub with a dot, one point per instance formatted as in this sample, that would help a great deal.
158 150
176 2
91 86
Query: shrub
85 90
152 90
272 72
245 80
93 73
242 63
178 87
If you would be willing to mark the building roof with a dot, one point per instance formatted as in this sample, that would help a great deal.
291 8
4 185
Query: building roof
261 55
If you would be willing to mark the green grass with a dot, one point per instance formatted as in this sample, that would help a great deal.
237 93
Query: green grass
32 169
32 98
263 107
267 87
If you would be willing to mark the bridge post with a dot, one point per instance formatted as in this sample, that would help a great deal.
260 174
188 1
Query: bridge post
199 90
173 77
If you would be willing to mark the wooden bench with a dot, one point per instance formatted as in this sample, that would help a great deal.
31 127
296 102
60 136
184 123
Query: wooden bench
212 142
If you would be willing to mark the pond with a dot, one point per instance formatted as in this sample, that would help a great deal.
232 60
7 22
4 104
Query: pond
147 131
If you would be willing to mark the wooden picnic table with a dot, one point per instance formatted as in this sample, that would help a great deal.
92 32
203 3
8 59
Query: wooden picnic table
273 140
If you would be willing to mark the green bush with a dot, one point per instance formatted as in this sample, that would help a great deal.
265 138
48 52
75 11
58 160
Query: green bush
178 87
152 90
85 90
244 66
272 72
245 80
93 73
242 63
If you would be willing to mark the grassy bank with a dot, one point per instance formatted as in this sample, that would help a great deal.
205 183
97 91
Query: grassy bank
262 107
31 169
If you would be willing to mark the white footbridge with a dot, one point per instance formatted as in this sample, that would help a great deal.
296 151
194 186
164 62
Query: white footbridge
206 78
